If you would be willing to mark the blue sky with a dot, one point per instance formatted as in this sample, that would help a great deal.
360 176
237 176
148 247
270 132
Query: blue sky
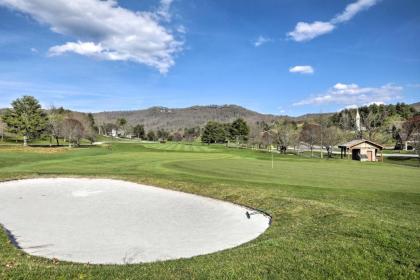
273 56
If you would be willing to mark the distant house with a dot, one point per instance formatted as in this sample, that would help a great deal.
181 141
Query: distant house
362 150
114 133
119 133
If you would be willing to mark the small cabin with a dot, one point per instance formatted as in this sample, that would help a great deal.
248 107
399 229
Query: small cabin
362 150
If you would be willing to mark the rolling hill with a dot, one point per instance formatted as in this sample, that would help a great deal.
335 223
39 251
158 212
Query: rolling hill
416 106
174 119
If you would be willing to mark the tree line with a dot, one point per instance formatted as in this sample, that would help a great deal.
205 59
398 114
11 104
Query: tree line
215 132
121 129
382 123
399 124
27 119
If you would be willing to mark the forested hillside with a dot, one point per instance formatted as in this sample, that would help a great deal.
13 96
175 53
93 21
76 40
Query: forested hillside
174 119
416 106
171 120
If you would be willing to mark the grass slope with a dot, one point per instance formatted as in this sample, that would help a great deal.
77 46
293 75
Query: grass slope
333 219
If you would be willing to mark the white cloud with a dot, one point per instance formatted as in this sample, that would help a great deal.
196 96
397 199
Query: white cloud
281 110
164 9
375 103
353 9
353 106
306 69
105 30
352 94
261 40
307 31
413 85
181 29
88 49
34 50
346 88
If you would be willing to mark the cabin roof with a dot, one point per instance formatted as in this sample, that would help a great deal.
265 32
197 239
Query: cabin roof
356 142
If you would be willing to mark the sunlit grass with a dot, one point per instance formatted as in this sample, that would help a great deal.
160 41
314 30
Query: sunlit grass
331 218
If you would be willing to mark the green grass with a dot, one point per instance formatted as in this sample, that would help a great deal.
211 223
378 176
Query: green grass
399 152
332 218
181 147
415 162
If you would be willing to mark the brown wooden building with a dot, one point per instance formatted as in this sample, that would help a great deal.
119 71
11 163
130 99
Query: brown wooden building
362 150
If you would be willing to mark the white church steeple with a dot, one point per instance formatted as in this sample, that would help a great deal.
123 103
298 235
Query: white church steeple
358 127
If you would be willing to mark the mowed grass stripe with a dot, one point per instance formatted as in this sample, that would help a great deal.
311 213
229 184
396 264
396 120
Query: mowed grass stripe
180 147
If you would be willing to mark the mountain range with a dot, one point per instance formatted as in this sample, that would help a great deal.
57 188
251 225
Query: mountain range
196 116
174 119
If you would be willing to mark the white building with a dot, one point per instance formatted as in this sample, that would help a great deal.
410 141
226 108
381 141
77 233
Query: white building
358 126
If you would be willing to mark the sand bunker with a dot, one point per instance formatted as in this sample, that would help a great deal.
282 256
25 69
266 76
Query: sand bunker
105 221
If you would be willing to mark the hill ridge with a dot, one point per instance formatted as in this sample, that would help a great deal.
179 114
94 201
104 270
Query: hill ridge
161 117
157 117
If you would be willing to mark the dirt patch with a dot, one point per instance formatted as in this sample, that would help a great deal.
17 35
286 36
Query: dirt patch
36 150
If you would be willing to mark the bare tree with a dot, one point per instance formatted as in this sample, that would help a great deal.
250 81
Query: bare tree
294 139
177 137
417 144
254 136
2 129
73 130
266 138
90 133
331 137
121 123
346 121
90 130
409 129
55 124
190 134
372 123
310 135
322 127
87 121
283 134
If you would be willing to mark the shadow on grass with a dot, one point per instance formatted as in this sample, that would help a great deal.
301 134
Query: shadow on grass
404 161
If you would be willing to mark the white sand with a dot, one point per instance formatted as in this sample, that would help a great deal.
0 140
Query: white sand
105 221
